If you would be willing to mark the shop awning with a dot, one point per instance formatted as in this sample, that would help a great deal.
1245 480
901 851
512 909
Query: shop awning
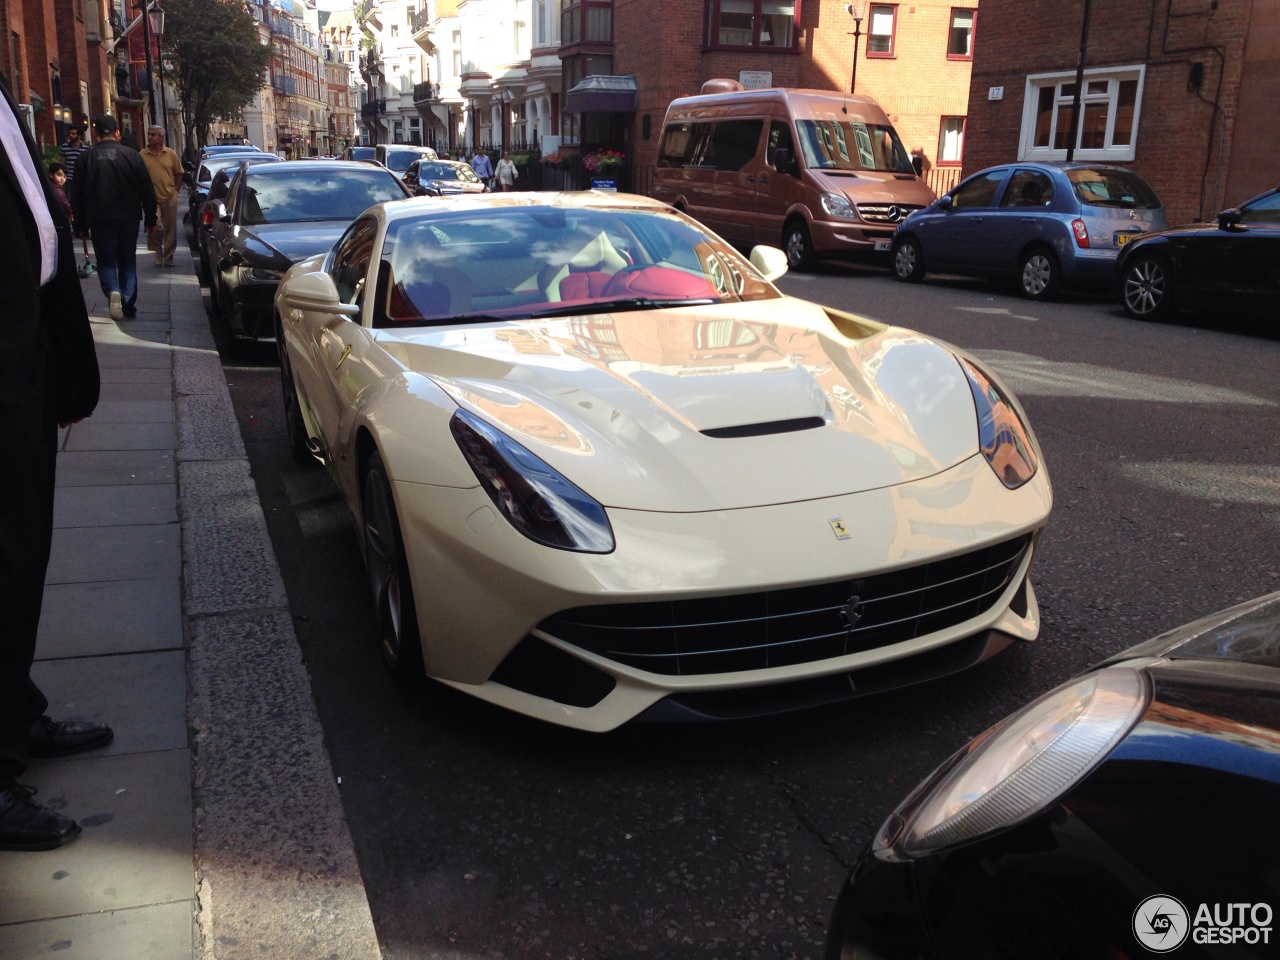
603 94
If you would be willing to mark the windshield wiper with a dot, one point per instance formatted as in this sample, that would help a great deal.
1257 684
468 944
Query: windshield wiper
619 305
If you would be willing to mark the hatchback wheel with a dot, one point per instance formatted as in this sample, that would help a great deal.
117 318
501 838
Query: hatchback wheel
1147 290
907 260
1039 275
388 574
798 245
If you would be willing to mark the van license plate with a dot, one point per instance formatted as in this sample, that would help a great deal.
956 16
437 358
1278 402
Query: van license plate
883 245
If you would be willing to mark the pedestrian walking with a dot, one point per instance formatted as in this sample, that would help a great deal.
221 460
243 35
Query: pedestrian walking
112 193
48 378
71 149
165 167
483 167
506 173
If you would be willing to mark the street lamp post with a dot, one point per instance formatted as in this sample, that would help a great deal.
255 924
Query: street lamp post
151 73
857 11
155 22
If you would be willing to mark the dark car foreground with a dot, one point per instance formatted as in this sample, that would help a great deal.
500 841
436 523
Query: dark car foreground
1130 811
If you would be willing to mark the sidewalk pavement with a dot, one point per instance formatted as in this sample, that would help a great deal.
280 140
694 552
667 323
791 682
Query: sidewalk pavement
213 829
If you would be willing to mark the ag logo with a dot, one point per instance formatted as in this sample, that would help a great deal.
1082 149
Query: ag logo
1161 923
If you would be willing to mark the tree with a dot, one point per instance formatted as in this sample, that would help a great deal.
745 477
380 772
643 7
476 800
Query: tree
217 59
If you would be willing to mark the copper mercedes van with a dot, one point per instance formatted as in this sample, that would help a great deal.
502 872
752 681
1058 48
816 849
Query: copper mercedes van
817 172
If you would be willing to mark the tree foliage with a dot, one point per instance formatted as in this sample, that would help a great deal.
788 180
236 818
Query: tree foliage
217 59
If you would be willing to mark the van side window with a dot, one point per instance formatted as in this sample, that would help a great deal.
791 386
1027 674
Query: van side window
735 143
674 149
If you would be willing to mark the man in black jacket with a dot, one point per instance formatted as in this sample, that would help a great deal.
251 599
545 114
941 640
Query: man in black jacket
111 192
48 377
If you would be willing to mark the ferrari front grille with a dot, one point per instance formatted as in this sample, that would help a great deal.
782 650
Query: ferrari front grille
796 625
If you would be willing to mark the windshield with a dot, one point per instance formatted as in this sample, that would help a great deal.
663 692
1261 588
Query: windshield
445 171
329 194
1112 188
852 145
400 159
526 262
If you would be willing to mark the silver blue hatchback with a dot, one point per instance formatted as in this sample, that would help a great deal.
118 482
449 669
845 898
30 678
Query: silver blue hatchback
1046 225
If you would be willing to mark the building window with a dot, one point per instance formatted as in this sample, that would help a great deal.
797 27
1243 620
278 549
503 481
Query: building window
1109 107
880 34
589 20
763 24
960 36
951 141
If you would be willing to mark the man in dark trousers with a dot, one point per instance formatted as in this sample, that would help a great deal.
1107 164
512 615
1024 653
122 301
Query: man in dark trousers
48 377
110 193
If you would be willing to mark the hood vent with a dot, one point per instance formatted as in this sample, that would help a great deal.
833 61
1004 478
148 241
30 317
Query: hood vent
764 429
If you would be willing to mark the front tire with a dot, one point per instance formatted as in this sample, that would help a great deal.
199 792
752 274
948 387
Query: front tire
388 573
798 245
1147 289
908 260
1039 275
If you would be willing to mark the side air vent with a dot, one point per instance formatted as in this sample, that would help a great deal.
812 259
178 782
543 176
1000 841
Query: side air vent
764 429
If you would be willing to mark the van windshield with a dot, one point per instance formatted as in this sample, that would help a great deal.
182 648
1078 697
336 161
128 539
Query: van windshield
852 145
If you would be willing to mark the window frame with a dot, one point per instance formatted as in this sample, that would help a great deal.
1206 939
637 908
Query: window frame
1109 152
711 36
891 53
959 161
973 32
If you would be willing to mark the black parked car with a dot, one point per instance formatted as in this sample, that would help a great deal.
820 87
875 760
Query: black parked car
275 215
436 178
1132 809
1234 264
218 187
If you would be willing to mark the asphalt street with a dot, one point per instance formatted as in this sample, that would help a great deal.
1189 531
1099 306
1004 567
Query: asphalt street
483 834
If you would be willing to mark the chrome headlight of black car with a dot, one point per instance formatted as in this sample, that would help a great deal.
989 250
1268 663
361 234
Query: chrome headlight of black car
1021 765
1003 437
537 500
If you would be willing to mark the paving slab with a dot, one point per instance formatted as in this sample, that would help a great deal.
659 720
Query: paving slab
91 467
162 932
107 617
136 849
124 504
88 435
94 554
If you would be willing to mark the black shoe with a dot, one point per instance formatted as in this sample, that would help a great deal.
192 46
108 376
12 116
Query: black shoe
28 826
55 738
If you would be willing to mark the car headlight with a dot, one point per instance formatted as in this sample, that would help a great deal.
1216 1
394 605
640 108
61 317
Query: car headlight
537 500
1021 765
837 205
1002 435
262 273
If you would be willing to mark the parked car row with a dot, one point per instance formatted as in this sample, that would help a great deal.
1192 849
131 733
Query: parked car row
1052 226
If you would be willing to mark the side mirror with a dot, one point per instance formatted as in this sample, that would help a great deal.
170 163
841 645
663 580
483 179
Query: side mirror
770 261
784 161
1229 218
220 211
315 291
944 203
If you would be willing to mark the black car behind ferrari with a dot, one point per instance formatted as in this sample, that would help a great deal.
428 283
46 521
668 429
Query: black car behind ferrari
1133 810
1232 264
275 215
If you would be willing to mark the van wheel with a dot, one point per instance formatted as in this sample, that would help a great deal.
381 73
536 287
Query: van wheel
907 260
1039 275
798 245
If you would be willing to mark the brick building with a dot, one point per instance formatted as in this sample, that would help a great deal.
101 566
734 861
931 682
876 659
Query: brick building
1182 91
915 59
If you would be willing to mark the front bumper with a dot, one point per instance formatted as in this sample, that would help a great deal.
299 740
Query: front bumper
482 588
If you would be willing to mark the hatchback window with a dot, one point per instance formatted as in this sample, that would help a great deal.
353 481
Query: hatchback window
1112 188
979 191
1028 188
